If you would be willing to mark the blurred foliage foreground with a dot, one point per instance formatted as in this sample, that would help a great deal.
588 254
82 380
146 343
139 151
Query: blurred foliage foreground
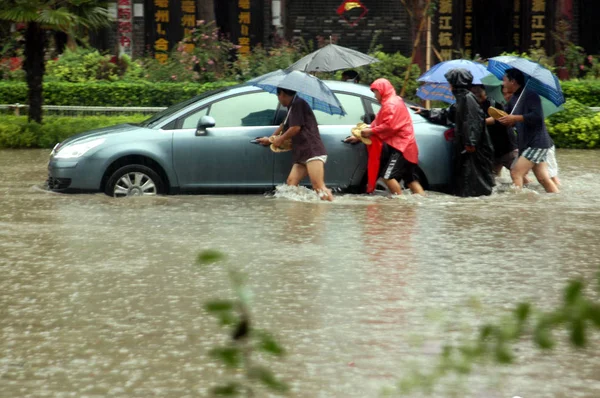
493 341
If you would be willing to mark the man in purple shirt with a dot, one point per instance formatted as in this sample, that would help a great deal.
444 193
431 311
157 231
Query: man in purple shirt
308 151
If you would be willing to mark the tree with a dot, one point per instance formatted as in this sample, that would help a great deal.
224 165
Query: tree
41 17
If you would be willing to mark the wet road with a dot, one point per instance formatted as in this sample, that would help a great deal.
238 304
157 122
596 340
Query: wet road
100 297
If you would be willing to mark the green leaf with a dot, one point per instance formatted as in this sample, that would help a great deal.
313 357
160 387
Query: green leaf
593 314
578 332
230 356
267 377
573 291
543 337
209 257
267 343
228 390
522 312
219 305
503 354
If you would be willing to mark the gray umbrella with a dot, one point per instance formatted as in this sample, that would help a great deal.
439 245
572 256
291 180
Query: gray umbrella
331 58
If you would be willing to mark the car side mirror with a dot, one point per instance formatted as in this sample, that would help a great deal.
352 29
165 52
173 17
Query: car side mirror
204 123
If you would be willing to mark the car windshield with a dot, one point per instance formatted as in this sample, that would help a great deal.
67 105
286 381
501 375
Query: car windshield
153 120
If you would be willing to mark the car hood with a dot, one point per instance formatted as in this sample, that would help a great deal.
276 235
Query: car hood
118 129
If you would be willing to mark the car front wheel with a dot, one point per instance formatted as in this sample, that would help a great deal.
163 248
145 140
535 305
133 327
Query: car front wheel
134 180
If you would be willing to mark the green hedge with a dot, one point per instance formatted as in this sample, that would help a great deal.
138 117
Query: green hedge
581 132
109 94
16 132
585 91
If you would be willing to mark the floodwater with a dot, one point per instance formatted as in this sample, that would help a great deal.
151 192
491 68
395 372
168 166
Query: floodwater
101 297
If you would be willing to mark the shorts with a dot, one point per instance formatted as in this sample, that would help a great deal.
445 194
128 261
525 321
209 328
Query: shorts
507 160
398 168
322 158
536 155
551 160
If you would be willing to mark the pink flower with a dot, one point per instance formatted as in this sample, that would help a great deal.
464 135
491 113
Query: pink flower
200 22
581 67
210 62
174 77
203 69
194 58
591 59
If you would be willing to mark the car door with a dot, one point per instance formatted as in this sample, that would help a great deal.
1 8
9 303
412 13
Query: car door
223 158
345 163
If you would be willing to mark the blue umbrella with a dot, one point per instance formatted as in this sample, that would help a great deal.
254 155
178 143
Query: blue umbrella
308 87
436 92
437 72
539 79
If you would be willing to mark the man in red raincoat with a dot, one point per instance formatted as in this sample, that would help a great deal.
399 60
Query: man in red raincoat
392 126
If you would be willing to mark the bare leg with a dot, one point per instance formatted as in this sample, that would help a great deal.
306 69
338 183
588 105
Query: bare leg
541 173
393 186
316 173
520 170
296 175
416 188
555 180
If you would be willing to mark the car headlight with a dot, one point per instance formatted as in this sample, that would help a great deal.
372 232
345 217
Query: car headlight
77 150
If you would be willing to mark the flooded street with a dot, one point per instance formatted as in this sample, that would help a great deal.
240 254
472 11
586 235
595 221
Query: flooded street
102 298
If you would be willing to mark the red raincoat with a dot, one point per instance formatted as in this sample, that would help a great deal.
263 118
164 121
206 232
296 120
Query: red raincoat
392 125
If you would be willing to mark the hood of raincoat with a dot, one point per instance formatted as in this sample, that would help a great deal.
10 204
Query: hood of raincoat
459 78
385 88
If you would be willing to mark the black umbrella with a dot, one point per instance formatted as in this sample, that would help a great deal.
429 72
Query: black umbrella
331 58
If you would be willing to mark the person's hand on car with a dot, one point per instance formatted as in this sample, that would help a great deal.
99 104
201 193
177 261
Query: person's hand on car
278 140
366 132
351 139
416 109
263 141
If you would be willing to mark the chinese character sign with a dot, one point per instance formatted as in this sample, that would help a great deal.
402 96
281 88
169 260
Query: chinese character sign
188 21
125 26
244 20
538 23
468 29
161 19
444 28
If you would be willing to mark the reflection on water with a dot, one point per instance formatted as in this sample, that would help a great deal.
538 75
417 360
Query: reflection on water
100 297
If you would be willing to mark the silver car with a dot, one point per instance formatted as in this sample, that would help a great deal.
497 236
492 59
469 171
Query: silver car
203 145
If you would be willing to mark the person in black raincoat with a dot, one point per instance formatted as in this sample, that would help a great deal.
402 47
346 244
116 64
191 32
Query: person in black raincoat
473 149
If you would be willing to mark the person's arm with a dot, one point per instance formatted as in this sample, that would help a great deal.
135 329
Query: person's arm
383 127
265 140
289 133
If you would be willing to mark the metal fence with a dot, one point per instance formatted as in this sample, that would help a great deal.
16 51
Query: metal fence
59 110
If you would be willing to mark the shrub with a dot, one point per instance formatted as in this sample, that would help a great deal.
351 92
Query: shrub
393 67
581 132
585 91
573 109
16 132
81 65
109 94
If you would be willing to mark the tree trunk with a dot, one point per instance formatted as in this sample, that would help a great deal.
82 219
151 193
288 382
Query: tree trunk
35 42
206 10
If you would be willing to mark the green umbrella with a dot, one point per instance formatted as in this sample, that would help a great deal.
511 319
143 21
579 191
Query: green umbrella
494 90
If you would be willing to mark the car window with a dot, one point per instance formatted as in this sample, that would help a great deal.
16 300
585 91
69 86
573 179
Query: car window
353 106
190 121
252 109
413 115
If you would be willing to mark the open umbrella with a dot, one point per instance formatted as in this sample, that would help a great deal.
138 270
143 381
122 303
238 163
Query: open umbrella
539 79
492 81
442 92
331 58
437 72
308 87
